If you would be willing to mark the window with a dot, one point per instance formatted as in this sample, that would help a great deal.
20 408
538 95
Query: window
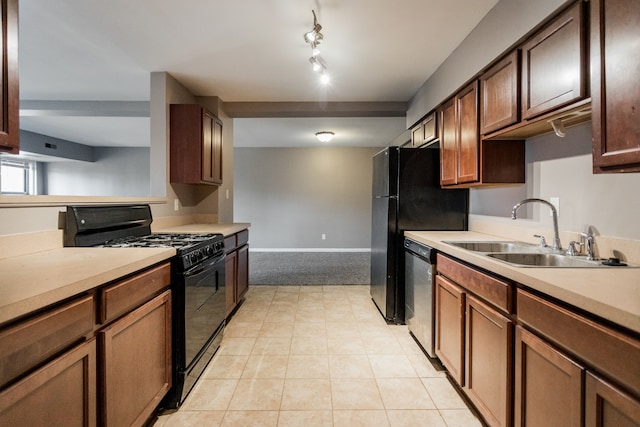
17 176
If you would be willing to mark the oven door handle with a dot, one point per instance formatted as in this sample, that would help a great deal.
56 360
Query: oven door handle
199 268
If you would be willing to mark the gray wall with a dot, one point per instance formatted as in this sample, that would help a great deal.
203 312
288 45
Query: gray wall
505 24
556 167
561 167
115 171
292 196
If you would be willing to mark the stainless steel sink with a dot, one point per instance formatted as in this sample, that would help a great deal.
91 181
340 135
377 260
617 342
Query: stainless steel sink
521 254
544 260
489 247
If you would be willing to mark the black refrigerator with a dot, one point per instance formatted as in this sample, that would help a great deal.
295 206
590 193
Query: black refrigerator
406 196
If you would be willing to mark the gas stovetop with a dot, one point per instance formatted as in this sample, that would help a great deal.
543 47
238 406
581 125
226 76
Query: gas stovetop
191 249
162 240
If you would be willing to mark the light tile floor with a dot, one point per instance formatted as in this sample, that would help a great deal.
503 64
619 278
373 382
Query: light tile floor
318 356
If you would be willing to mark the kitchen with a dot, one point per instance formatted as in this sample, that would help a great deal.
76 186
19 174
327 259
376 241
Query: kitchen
554 170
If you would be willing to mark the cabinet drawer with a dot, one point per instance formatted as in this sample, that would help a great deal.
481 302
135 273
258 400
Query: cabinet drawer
243 237
124 296
230 243
29 343
489 288
605 349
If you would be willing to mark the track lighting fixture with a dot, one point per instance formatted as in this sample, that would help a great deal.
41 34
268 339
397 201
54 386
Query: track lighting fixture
314 38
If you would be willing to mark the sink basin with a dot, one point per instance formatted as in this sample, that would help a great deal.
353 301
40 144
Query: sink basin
544 260
519 247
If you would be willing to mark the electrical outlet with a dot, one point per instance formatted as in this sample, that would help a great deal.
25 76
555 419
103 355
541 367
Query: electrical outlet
176 204
555 201
324 236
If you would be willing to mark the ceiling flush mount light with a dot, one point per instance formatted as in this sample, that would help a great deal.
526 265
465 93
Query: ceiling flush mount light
314 38
325 136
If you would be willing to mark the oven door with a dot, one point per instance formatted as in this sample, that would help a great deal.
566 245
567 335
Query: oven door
205 305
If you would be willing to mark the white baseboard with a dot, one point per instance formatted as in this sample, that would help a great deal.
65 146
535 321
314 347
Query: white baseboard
252 249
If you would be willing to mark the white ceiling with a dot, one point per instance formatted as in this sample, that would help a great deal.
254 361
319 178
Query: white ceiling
239 50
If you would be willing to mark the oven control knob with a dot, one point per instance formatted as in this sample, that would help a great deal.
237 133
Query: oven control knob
208 251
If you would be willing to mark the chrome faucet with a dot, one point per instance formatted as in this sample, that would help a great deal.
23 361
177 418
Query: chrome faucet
556 239
589 242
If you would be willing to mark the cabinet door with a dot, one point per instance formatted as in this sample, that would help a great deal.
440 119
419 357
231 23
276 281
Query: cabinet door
230 280
615 88
9 118
62 393
417 136
207 146
548 385
448 144
136 352
467 134
216 154
243 271
607 406
553 64
500 92
450 308
488 361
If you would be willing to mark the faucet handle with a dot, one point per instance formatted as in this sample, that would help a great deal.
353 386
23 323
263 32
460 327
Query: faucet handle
588 236
543 242
572 248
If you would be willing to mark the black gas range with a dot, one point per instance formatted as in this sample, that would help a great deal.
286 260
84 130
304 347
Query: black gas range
191 249
197 282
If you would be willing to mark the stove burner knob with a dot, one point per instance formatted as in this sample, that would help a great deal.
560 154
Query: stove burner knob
208 251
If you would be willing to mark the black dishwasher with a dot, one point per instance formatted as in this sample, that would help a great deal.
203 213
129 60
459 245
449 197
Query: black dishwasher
420 262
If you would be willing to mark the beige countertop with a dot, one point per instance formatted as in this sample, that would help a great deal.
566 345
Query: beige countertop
226 229
612 293
30 282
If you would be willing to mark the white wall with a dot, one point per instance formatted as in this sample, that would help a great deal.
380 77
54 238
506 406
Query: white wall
292 196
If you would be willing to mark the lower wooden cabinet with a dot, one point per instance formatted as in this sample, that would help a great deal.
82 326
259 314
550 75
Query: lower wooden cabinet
449 320
136 350
488 361
236 268
243 271
608 406
230 279
548 384
61 393
101 358
523 359
474 342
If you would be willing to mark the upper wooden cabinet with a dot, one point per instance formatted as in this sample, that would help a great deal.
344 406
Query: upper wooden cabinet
554 64
9 117
615 86
426 131
467 133
196 145
465 159
459 138
500 94
448 144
